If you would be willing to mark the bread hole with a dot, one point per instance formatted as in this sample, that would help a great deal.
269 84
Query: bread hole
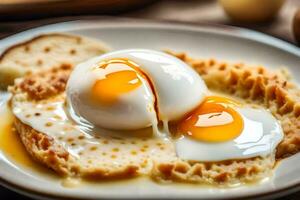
162 148
39 62
48 124
253 170
78 40
113 156
37 114
241 171
227 162
70 140
50 108
28 73
284 84
222 67
68 128
221 177
133 142
31 81
80 153
144 164
159 144
60 138
52 77
47 49
73 144
93 148
66 66
73 51
115 149
28 115
207 166
133 152
42 75
103 153
44 144
105 142
146 146
90 161
260 70
238 65
81 137
181 169
27 48
57 117
166 169
211 62
14 130
198 171
246 74
218 170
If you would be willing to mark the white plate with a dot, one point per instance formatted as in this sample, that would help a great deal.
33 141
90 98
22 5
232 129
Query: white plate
225 43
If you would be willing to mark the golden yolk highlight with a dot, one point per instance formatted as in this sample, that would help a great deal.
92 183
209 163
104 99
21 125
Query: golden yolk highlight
215 120
107 90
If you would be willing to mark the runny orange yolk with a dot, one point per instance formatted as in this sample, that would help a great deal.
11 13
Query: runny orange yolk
215 120
107 91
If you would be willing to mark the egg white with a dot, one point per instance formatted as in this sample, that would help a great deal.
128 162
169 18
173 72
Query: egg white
260 136
178 89
134 110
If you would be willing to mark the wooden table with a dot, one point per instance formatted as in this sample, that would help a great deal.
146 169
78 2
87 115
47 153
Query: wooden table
191 11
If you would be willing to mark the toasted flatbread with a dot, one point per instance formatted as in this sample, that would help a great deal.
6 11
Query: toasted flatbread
44 52
73 153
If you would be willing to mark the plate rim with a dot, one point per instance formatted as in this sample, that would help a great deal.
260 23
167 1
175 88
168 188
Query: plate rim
109 22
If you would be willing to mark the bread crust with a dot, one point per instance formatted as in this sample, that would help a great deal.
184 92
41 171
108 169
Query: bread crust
34 39
44 149
44 52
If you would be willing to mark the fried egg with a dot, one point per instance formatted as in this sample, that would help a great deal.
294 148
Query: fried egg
132 89
223 129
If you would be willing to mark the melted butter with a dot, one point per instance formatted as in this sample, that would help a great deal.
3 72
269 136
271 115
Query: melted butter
12 147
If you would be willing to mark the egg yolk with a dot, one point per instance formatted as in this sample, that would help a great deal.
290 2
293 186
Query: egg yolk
215 120
126 79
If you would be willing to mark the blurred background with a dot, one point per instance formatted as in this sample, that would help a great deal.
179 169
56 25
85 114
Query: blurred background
274 17
279 18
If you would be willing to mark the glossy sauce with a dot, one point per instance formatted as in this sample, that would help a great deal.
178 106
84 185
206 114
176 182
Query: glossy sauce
12 147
